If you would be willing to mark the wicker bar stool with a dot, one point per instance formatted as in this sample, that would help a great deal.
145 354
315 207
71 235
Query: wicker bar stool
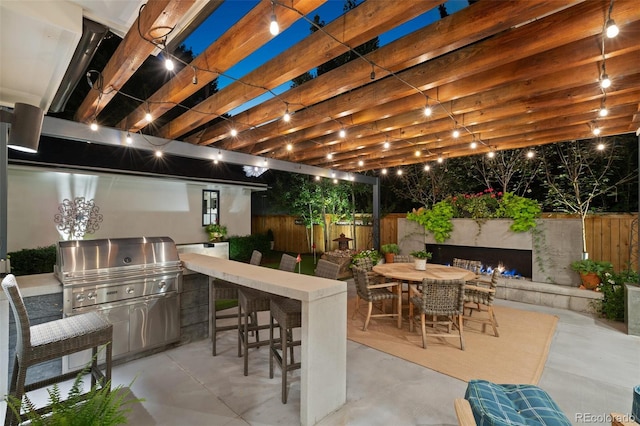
43 342
287 314
225 290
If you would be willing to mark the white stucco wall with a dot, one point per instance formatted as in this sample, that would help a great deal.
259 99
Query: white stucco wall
132 206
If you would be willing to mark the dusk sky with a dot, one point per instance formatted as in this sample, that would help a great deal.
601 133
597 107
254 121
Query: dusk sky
232 10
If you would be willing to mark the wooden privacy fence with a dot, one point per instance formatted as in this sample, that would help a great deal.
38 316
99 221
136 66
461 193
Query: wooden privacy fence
609 236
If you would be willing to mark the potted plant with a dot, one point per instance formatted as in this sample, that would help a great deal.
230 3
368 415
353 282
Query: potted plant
389 250
372 254
216 231
591 271
420 259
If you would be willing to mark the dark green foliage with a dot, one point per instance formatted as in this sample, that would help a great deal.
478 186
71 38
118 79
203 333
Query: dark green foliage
98 407
33 261
240 248
612 288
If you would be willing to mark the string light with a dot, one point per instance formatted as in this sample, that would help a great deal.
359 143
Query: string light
94 125
360 163
455 133
373 73
343 133
600 147
473 145
168 63
287 116
128 138
603 111
399 172
234 132
427 168
329 156
440 159
289 147
491 154
531 153
194 80
417 153
317 178
159 154
596 130
386 144
383 171
274 28
605 81
427 109
612 28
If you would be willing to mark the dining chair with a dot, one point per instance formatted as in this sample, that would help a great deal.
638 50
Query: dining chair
474 266
479 296
287 263
402 258
225 290
371 293
439 303
54 339
286 314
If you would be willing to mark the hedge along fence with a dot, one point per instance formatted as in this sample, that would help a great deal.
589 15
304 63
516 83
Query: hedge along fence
608 235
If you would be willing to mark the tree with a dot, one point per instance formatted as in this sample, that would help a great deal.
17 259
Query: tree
577 174
508 171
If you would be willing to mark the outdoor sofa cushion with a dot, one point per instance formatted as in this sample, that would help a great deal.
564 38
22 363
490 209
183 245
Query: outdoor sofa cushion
494 404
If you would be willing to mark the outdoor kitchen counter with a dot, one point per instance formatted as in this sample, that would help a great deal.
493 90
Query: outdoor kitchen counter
323 381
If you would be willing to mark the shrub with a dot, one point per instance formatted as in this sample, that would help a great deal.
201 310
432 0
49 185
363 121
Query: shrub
33 261
241 247
612 288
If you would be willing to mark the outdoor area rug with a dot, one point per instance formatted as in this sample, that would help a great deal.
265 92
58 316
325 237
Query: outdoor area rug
517 356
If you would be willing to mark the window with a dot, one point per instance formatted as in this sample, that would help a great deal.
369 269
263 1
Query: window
210 203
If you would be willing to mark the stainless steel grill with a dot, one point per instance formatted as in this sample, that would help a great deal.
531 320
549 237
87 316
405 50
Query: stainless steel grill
135 282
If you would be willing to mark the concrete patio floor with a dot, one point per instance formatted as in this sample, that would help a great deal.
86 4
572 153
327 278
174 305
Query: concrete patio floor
591 370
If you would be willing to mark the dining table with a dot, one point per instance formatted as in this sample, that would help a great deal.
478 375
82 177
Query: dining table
407 272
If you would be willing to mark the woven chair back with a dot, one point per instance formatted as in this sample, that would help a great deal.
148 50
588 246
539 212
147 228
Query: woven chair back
402 258
484 297
361 277
23 327
287 263
442 297
472 265
256 258
365 263
327 269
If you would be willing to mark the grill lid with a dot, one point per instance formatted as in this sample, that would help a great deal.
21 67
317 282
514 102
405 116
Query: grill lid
109 257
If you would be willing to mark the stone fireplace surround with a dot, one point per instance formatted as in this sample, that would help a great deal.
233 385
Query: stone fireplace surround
552 283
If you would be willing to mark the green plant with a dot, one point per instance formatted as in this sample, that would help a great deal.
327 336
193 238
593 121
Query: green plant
421 254
390 248
372 254
480 206
586 266
33 261
241 247
216 231
100 406
612 288
436 220
270 235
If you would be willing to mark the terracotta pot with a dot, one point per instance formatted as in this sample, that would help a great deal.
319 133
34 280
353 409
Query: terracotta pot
590 280
388 257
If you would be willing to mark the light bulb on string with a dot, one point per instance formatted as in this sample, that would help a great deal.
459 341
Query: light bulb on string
440 159
386 145
612 29
329 156
159 154
427 168
473 145
455 133
129 139
603 111
287 116
168 64
399 172
234 132
605 82
342 133
428 111
289 147
531 153
600 146
360 163
94 125
148 117
596 130
274 28
491 154
383 171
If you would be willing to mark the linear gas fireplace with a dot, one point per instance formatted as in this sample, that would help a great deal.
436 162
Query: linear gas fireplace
516 262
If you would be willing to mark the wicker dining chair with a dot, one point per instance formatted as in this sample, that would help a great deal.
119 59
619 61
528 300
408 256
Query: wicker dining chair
286 314
474 266
54 339
479 296
439 303
371 293
402 258
287 263
225 290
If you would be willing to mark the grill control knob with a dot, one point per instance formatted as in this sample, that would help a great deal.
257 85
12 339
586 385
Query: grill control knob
129 290
80 297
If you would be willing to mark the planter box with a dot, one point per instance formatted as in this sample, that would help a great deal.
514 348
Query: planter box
558 246
632 308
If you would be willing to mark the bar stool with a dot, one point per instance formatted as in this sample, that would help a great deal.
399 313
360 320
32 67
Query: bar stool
287 313
250 303
225 290
39 343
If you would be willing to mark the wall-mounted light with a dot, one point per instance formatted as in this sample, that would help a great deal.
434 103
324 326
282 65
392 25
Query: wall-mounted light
26 125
